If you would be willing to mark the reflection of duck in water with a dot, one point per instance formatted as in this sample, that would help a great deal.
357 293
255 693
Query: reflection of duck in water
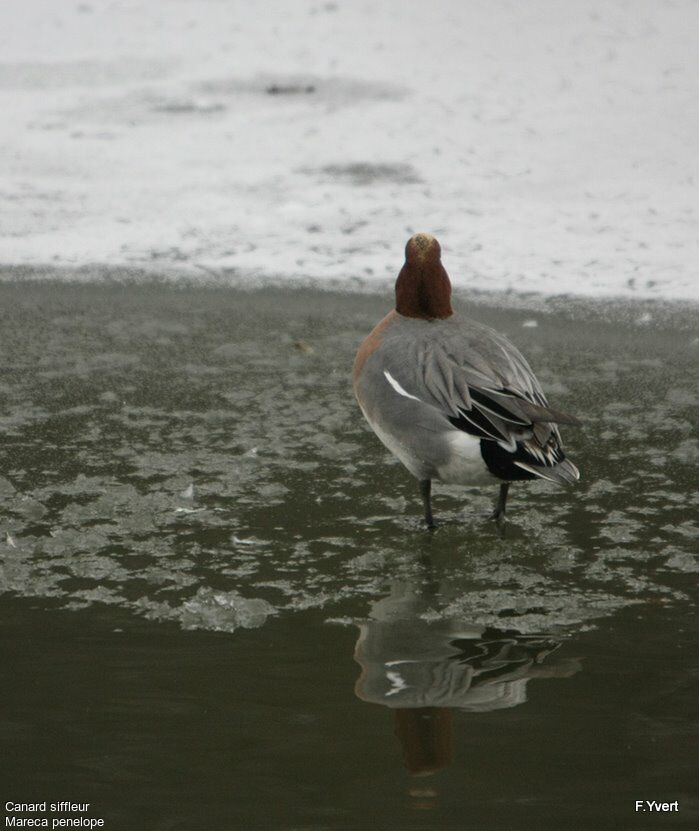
424 669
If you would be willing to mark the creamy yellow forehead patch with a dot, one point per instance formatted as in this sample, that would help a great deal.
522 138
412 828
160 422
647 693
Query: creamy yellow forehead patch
420 245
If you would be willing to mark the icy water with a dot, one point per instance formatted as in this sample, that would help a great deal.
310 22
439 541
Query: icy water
220 610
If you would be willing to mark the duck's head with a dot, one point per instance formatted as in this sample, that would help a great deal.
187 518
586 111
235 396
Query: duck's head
423 289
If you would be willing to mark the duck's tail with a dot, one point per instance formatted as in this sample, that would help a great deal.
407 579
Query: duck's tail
563 473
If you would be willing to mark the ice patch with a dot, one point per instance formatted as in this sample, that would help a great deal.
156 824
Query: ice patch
564 179
223 611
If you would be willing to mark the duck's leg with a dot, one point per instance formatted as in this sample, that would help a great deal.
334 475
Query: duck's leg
426 493
499 513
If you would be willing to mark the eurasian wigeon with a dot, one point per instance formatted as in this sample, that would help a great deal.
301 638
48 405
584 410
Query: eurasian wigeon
454 400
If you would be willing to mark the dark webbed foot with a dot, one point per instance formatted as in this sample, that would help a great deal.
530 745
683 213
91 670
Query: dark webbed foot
426 494
500 506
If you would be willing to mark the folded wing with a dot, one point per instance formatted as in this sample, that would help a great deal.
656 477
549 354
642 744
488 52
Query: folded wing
486 388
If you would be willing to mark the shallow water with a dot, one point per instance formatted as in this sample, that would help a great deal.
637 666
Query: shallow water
222 610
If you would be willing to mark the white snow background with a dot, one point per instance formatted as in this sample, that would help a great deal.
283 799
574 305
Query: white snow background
551 146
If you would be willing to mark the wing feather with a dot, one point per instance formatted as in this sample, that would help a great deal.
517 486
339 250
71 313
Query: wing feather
486 387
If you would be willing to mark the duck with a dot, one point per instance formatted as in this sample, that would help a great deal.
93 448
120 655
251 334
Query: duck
454 400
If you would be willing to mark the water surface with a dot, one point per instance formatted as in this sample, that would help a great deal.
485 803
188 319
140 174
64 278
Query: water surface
222 610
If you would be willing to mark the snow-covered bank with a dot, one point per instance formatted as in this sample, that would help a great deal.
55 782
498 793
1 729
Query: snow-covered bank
551 146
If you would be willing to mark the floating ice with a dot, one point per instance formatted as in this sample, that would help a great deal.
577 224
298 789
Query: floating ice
223 611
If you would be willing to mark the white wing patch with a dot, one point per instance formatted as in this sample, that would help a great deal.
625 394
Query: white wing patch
397 683
397 387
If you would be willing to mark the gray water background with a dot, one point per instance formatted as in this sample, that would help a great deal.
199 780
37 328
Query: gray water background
211 570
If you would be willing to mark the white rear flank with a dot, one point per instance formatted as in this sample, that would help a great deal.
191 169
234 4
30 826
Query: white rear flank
465 465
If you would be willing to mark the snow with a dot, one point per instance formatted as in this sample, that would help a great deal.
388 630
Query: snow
551 147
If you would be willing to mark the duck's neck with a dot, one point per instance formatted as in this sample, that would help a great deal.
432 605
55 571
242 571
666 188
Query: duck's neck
424 291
